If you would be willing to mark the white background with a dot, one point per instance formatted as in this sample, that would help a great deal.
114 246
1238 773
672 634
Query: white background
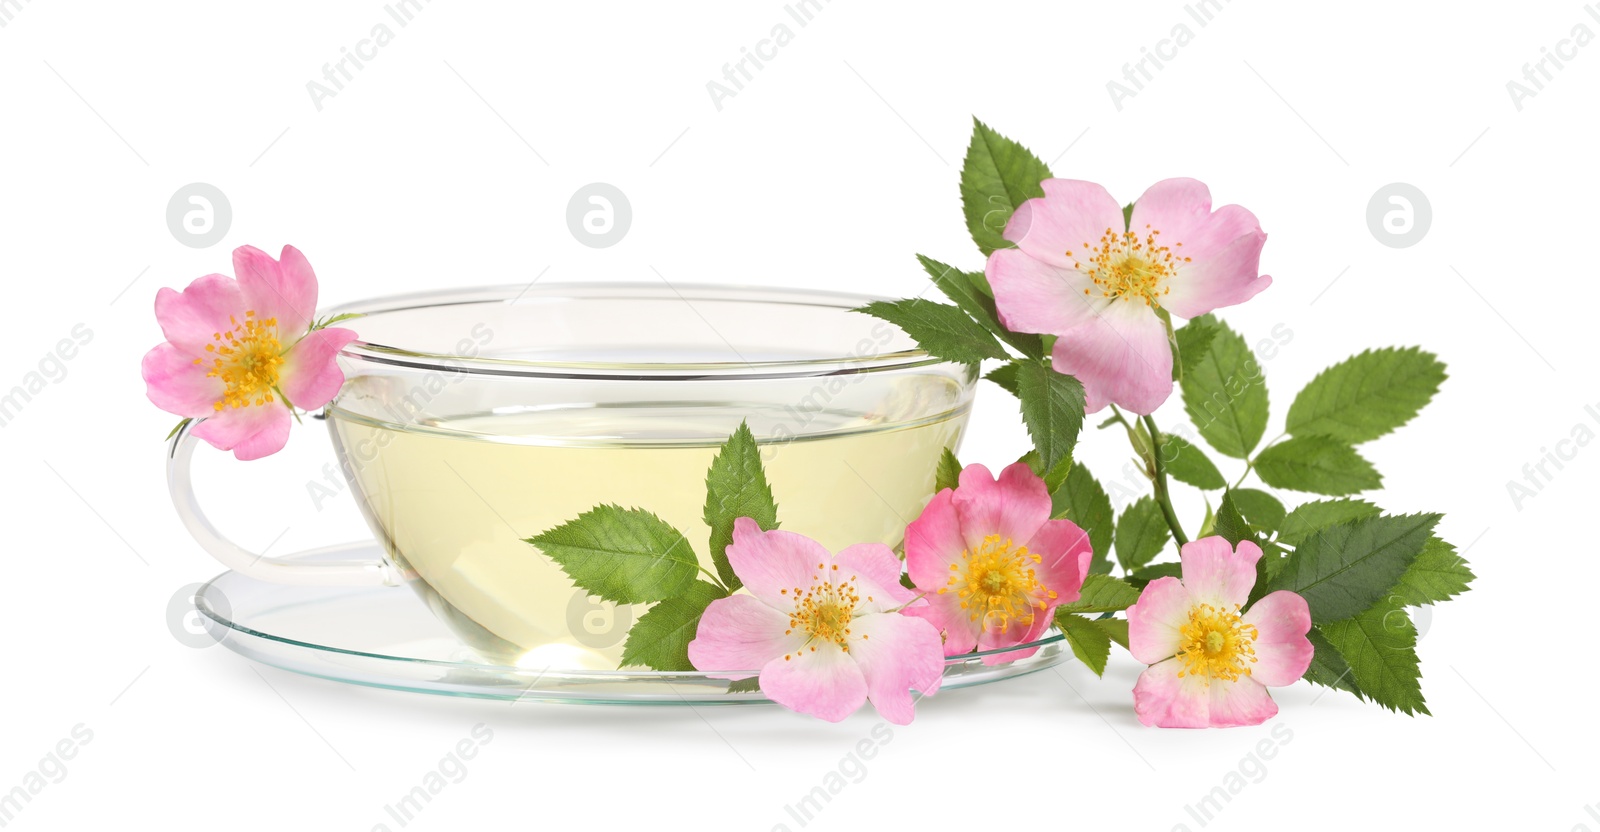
448 161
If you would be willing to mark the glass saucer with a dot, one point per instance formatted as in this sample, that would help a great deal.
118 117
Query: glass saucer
384 637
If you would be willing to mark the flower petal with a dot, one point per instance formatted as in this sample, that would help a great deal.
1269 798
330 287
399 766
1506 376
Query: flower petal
1016 631
1064 554
1070 216
176 384
895 654
191 319
1163 699
740 632
251 432
1231 276
311 376
1217 574
1031 295
1154 621
283 289
1243 701
1013 507
877 576
954 624
1283 652
1180 209
820 680
1122 357
934 542
772 564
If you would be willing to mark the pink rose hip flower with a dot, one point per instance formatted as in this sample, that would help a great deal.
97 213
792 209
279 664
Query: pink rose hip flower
1080 273
241 353
1209 664
992 562
821 629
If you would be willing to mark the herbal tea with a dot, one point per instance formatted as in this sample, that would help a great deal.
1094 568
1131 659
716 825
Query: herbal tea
453 499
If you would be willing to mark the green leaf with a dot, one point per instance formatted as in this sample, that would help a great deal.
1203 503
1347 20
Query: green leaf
1089 643
1208 524
1052 408
1081 500
1438 574
660 638
1380 647
1319 464
997 175
948 474
1103 593
1194 341
1141 533
1005 375
1143 577
942 330
1328 668
1230 522
1347 568
1225 394
750 685
1365 397
736 486
1309 518
628 556
1115 629
962 289
1260 509
1189 464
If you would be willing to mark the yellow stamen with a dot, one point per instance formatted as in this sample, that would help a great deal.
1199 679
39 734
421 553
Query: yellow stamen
999 585
1125 266
1216 644
248 358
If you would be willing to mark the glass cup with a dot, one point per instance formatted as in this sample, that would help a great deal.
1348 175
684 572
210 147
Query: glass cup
471 420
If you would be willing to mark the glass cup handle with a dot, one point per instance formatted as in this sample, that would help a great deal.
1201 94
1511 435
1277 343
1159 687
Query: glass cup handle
273 570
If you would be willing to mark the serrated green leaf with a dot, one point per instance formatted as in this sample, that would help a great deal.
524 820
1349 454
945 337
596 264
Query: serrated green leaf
1347 568
628 556
1225 394
1366 396
660 638
1089 643
948 474
1052 408
736 486
1194 341
1004 375
1230 523
1438 574
750 685
962 290
1260 509
1380 647
1186 463
1319 464
942 330
1103 593
1143 577
1115 629
1141 534
1081 500
1309 518
997 176
1328 668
